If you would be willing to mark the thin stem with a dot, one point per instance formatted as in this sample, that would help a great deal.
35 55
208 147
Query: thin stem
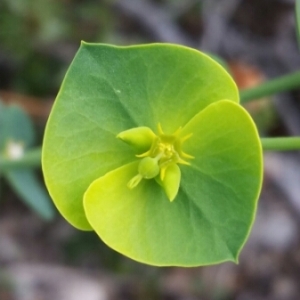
281 143
277 85
297 11
31 158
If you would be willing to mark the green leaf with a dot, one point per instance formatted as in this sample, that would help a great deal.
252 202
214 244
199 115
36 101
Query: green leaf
31 192
110 89
209 220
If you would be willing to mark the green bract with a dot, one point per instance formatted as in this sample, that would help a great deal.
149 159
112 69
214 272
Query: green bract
143 147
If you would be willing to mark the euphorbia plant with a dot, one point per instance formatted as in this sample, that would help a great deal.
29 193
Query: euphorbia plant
149 147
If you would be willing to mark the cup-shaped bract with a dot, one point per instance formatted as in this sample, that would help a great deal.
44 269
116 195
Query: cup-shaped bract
198 204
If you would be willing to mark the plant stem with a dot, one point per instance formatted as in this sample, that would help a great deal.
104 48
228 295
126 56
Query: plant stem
30 159
277 85
281 143
297 11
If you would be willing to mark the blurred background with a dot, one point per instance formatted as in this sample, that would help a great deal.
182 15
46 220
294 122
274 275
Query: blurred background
41 256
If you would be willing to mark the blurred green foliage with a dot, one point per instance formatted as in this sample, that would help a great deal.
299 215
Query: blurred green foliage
17 136
39 38
30 23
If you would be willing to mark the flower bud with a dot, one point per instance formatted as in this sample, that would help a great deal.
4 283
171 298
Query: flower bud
140 138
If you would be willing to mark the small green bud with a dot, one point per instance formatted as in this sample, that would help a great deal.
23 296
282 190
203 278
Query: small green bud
148 167
140 138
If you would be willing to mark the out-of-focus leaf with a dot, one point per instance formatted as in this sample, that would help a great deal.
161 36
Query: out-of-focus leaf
27 186
16 126
16 135
2 125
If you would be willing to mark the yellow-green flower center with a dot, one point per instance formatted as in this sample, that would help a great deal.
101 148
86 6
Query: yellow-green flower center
159 161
